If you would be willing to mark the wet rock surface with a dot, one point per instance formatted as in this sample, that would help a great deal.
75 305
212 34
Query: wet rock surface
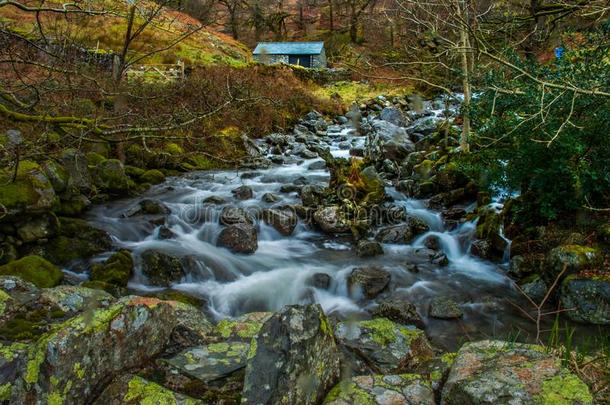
296 348
501 372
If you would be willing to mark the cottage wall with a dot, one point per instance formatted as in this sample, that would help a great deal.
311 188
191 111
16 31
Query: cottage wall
271 59
319 61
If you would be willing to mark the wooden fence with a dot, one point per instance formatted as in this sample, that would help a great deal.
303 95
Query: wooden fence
163 72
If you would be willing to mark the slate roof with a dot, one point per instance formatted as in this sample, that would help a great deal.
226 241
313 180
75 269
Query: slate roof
289 48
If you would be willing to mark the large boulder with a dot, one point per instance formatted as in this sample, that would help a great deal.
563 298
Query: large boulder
293 360
77 240
161 269
110 176
283 220
495 372
570 259
231 215
399 310
383 346
370 281
407 389
75 164
586 299
116 270
394 116
131 389
30 193
239 238
34 269
67 364
402 233
243 192
369 248
332 220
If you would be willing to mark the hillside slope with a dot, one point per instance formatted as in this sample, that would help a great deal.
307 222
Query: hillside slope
106 32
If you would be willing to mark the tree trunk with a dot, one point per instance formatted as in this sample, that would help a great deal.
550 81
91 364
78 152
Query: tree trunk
353 27
330 11
123 56
465 44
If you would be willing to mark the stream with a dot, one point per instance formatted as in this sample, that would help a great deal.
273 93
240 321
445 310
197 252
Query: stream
280 271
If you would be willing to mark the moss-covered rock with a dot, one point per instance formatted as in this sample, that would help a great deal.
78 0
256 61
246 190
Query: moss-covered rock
110 176
77 240
30 193
94 159
152 176
116 270
293 360
39 227
382 390
95 346
161 269
424 170
34 269
489 372
173 149
57 175
130 389
570 259
383 344
587 298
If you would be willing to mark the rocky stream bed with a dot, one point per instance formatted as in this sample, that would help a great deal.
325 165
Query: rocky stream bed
347 262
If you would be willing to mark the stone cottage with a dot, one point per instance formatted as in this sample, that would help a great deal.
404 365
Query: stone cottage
306 54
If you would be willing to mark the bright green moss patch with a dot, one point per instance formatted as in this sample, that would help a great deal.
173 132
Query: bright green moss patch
148 393
116 270
152 176
173 149
34 269
383 331
564 389
246 329
5 391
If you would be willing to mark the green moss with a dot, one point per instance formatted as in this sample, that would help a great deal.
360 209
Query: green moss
173 149
218 347
79 371
116 270
93 159
383 331
449 358
6 390
34 269
55 398
564 389
246 329
253 348
349 392
134 172
148 393
152 177
17 195
200 162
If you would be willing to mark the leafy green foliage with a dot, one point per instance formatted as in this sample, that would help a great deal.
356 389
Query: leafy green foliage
549 144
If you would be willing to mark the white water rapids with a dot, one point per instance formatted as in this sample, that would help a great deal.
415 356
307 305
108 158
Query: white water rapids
280 271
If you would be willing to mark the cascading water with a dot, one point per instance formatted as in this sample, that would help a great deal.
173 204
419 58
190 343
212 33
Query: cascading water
280 272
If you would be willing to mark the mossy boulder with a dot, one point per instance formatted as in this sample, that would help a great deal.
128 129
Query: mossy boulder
152 176
494 372
57 175
116 270
110 176
38 227
587 299
424 170
34 269
30 193
77 240
382 390
570 259
162 269
75 163
68 363
173 149
94 159
131 389
382 345
293 359
332 220
73 206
